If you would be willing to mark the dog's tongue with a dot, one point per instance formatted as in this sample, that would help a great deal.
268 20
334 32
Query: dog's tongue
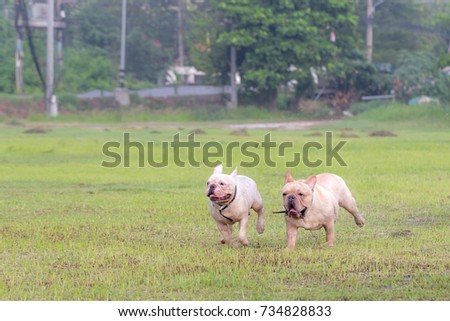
292 211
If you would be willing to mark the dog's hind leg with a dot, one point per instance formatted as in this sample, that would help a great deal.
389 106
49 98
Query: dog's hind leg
350 205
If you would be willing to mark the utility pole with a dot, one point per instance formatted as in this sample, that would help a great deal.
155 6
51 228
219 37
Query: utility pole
369 31
234 96
59 36
44 18
233 104
122 45
19 50
121 93
180 35
50 99
19 64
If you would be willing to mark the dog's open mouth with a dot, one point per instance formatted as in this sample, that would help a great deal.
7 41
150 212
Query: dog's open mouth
215 198
292 212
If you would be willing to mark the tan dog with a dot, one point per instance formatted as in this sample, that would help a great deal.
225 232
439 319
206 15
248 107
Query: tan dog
314 203
231 198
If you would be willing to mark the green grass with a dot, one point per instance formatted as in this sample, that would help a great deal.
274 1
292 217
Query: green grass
187 114
72 230
144 113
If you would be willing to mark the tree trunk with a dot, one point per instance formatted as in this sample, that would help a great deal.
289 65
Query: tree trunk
273 100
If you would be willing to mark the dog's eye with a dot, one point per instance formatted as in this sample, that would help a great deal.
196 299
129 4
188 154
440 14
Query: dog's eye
222 183
284 194
207 183
300 194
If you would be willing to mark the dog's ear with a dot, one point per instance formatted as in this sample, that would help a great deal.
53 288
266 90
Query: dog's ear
288 177
234 173
218 169
311 181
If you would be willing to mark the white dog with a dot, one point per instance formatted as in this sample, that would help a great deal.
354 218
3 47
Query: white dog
231 198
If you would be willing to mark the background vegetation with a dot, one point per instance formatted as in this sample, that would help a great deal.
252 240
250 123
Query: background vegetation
277 43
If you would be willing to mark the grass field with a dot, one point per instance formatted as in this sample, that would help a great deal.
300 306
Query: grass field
73 230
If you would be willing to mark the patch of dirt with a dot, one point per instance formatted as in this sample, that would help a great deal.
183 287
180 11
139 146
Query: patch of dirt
295 125
37 130
197 131
314 134
240 132
382 133
402 233
21 107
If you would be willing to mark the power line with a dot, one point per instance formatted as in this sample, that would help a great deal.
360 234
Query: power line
24 13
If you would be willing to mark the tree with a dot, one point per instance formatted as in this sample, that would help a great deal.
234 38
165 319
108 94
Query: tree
7 75
206 24
418 74
150 34
278 41
406 25
83 72
32 83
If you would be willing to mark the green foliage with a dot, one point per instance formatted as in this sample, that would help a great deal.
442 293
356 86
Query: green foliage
362 107
83 72
405 25
206 52
352 73
149 40
274 37
7 65
277 41
99 32
444 61
283 101
419 74
69 102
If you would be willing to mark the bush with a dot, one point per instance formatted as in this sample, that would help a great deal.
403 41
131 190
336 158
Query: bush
83 72
419 74
282 101
68 101
354 74
314 108
135 99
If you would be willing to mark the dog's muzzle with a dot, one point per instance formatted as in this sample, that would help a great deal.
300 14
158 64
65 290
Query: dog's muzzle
291 211
212 196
